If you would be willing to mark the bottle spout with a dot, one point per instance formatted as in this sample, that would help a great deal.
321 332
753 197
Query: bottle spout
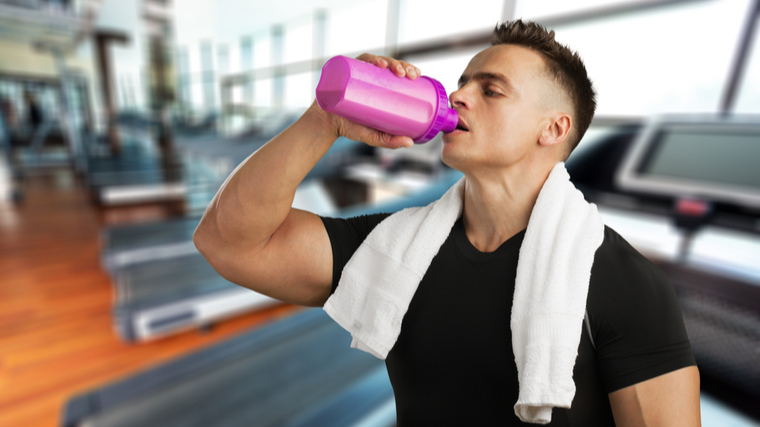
451 121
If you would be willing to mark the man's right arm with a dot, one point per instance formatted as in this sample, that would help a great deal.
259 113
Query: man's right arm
249 232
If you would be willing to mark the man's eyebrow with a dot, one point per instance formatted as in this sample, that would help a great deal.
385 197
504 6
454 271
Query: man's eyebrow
485 75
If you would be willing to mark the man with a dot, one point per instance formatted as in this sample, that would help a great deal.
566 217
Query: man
39 127
523 104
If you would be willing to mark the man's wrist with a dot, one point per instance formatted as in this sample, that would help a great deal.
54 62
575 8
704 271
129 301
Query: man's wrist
323 122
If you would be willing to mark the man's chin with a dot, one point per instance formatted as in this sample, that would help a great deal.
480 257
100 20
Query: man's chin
451 157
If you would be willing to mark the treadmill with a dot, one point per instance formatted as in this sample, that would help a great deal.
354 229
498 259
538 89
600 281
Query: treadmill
135 175
685 191
296 372
156 298
163 285
121 246
124 245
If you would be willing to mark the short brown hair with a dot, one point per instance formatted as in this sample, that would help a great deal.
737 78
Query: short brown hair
562 64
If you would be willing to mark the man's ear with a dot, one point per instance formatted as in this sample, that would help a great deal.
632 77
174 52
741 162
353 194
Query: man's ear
556 129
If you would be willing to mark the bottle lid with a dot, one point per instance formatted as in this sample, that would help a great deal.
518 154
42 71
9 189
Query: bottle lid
446 118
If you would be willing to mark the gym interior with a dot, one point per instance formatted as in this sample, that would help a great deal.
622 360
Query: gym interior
121 119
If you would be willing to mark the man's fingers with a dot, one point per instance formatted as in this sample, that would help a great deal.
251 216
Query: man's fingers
394 142
399 68
358 132
373 59
385 140
403 68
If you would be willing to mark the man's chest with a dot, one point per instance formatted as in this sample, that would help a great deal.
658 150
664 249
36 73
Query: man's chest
460 317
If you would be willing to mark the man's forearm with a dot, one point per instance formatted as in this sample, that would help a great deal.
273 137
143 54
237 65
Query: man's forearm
256 198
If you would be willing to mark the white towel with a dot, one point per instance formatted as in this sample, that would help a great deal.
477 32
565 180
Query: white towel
553 272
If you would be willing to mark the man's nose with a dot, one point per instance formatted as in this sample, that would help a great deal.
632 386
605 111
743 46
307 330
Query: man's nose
459 98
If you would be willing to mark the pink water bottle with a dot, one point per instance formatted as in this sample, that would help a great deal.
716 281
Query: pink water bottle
375 97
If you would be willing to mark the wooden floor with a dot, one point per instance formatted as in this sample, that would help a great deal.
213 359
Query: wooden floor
56 334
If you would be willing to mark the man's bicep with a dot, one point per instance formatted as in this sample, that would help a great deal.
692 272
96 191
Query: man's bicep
294 266
302 261
671 399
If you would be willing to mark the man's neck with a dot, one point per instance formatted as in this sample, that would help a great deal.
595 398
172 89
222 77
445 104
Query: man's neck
498 205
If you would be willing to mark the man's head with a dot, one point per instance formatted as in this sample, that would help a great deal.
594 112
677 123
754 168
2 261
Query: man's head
562 65
525 94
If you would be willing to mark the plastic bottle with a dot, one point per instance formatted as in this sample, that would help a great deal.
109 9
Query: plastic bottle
375 97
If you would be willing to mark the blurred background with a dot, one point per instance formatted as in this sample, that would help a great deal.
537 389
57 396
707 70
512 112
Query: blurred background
122 118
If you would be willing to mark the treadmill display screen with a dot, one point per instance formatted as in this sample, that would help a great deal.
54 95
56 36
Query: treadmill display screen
718 158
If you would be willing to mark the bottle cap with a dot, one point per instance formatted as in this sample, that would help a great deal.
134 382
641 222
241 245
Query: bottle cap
446 118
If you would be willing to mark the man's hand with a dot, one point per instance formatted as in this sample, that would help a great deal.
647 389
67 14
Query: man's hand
357 132
668 400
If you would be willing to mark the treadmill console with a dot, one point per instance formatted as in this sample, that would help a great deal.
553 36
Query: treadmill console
708 158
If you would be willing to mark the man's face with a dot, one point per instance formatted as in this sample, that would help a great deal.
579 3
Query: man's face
501 101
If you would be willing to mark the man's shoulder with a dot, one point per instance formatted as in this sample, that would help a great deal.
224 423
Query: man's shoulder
617 260
615 251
